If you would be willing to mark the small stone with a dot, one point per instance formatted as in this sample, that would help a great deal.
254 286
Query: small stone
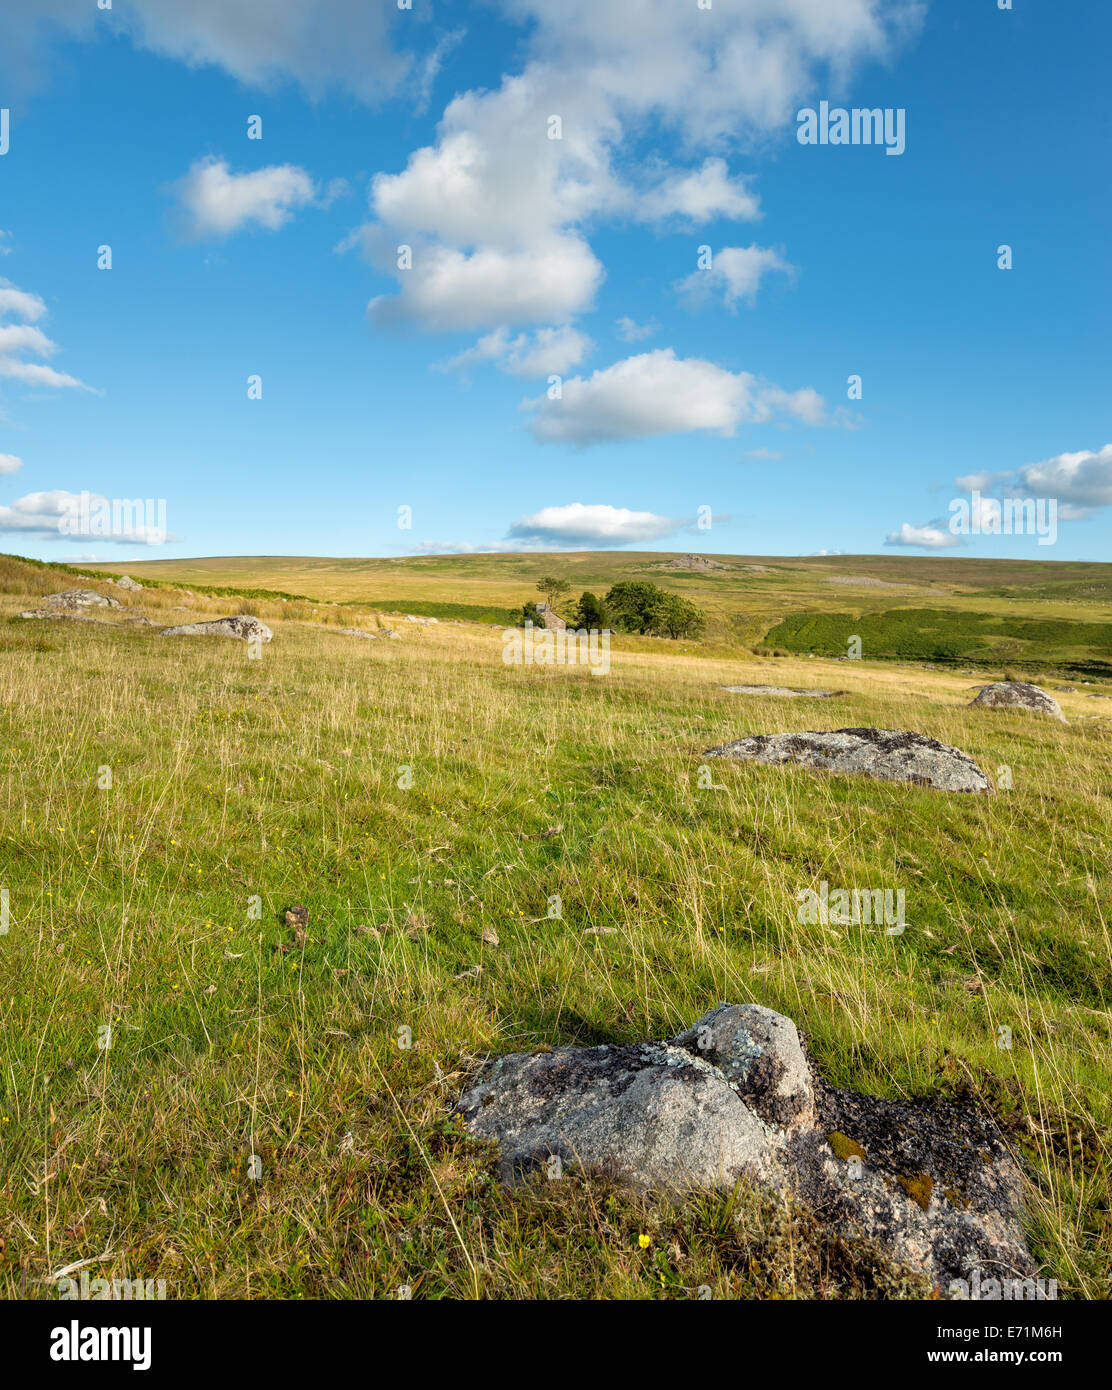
298 919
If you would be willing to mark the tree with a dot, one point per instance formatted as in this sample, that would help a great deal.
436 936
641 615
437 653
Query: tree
552 588
590 613
643 607
634 603
679 617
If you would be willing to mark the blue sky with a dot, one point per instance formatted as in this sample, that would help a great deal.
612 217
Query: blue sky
683 392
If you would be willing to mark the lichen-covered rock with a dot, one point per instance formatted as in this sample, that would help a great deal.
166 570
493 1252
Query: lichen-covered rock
242 626
760 1055
125 581
1019 695
59 613
932 1182
649 1114
893 755
782 690
736 1097
81 598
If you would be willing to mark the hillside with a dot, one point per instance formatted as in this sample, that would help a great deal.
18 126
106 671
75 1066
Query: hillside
971 610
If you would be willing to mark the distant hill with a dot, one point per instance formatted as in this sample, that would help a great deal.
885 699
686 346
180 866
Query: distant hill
1035 612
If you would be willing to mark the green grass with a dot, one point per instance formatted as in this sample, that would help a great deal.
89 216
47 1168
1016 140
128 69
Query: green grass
930 634
278 780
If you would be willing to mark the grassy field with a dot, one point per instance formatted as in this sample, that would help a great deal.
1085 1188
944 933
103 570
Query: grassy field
254 1127
748 598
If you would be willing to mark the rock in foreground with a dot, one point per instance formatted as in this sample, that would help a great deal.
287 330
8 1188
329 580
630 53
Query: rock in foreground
1019 695
782 690
242 626
736 1098
81 598
893 755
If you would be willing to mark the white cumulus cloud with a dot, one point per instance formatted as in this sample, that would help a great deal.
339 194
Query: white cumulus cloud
449 289
1078 483
495 191
580 524
323 45
1081 480
928 537
543 353
58 513
18 341
698 195
630 331
656 393
735 273
216 202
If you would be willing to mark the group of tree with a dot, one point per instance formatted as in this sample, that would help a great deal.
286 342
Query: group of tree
634 605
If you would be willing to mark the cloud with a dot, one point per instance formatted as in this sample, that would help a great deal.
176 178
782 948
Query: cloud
445 548
322 45
544 353
431 66
9 463
735 273
804 405
763 454
18 304
20 340
1081 481
656 393
630 331
5 250
732 69
450 290
216 202
977 482
577 525
494 202
927 537
698 195
54 514
736 66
